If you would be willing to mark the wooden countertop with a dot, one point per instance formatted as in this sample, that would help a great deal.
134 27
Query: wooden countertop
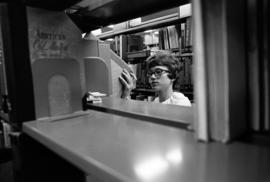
172 115
116 148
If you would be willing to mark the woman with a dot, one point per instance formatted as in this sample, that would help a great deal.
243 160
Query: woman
162 73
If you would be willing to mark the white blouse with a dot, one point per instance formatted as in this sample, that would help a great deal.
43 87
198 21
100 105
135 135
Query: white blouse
177 98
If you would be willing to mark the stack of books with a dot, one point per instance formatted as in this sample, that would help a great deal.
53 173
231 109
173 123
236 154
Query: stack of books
95 97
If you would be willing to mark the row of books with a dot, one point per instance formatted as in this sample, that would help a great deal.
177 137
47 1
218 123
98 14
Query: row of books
185 81
142 80
177 36
168 38
186 35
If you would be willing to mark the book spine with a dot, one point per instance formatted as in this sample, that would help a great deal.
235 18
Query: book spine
187 35
183 33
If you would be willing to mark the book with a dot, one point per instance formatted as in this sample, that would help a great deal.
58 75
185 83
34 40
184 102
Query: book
117 66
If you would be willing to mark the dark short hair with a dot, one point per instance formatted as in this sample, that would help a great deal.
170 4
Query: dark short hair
162 58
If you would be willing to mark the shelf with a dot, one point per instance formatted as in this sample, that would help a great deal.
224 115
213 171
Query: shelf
114 148
166 21
143 90
152 44
165 114
177 50
116 11
138 54
107 147
186 54
174 49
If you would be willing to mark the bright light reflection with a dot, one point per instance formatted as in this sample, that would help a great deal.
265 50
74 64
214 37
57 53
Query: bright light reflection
148 31
155 166
96 32
151 168
110 39
174 156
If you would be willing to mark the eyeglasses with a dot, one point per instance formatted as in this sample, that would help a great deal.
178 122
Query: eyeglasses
157 72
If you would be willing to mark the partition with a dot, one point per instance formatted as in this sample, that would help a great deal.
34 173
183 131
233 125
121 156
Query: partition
97 75
57 52
57 86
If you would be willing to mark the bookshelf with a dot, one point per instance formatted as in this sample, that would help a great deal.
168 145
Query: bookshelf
176 39
160 19
136 39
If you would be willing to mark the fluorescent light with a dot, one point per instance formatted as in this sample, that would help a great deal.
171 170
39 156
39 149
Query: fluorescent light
110 39
96 32
148 31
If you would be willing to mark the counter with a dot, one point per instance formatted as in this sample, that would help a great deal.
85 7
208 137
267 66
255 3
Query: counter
116 148
171 115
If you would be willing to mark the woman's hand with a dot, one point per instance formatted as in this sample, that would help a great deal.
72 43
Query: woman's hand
128 80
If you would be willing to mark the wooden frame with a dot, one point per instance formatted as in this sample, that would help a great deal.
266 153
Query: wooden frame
220 69
17 62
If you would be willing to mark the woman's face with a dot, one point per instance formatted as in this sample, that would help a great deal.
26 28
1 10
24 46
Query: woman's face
158 78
